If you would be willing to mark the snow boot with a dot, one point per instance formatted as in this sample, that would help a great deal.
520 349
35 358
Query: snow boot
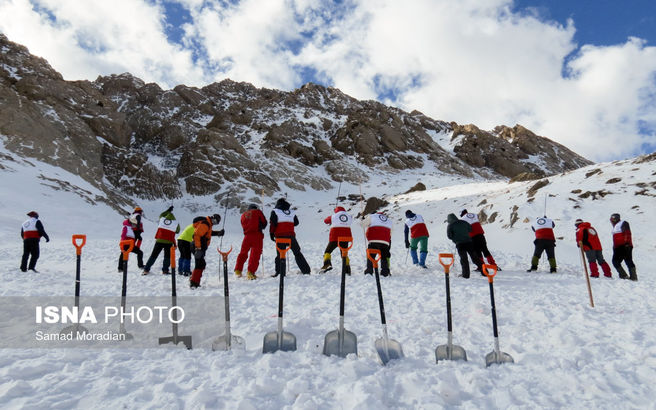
632 274
327 264
422 259
552 265
534 264
594 271
250 275
622 272
165 272
606 268
413 255
145 272
238 273
193 284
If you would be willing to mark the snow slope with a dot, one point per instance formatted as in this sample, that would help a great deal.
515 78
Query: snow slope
567 354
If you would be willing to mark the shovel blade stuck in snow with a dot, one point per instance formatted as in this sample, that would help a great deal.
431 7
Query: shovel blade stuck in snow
221 343
498 358
452 352
333 346
272 343
388 349
175 340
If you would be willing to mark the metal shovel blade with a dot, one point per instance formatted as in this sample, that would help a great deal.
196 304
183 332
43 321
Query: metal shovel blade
221 343
388 349
453 352
500 358
175 340
332 346
271 344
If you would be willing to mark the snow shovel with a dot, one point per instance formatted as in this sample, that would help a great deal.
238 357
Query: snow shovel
76 328
587 276
341 342
126 247
227 340
449 351
495 356
280 340
175 339
388 349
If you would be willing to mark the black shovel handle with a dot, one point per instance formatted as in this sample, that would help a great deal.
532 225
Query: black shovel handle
283 266
448 303
490 276
344 250
78 253
371 255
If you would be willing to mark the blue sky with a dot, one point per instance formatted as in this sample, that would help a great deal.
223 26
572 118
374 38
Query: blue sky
580 72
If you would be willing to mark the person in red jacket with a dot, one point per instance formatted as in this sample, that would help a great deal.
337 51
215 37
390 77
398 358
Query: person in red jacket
253 222
340 226
202 237
281 225
544 241
587 235
477 235
378 231
416 228
128 234
622 247
31 232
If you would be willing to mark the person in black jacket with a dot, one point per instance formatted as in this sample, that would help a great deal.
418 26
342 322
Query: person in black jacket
458 231
31 232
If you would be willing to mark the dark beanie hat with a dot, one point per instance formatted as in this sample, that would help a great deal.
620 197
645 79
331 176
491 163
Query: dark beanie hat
409 214
252 206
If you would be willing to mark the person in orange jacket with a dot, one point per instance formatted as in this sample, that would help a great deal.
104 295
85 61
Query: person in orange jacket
587 235
340 226
202 237
253 222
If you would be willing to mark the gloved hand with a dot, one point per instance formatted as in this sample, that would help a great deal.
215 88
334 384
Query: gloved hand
273 238
407 244
220 233
199 254
47 239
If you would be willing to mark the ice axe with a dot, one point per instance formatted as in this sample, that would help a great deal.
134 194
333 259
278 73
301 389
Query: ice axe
227 340
449 351
126 247
280 340
341 342
175 339
77 328
388 349
495 356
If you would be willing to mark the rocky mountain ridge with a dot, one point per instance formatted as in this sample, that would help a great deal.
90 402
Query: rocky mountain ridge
135 140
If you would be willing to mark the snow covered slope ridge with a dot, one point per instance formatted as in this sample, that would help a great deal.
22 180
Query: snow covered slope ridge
135 140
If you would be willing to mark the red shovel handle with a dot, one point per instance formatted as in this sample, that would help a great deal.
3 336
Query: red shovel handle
487 269
283 251
371 256
446 266
341 239
78 247
126 247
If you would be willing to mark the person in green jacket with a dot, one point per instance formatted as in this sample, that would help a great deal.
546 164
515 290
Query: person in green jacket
164 238
458 231
184 246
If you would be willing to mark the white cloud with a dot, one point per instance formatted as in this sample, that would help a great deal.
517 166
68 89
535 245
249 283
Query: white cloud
470 61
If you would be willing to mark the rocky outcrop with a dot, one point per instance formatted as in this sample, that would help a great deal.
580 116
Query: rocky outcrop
134 139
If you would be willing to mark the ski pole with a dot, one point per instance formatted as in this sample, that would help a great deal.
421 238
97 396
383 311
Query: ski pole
339 190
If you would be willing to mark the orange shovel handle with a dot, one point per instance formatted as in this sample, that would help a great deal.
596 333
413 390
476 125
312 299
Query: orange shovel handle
342 239
446 266
129 243
78 247
487 269
372 258
172 258
224 255
283 251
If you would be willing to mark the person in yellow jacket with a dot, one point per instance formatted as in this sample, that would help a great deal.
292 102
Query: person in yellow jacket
184 246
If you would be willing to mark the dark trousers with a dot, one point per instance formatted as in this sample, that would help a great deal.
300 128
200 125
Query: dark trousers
384 258
332 245
623 254
298 256
465 249
137 252
480 244
184 263
30 249
159 246
544 245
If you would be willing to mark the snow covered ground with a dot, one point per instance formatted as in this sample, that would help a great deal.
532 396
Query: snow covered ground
567 354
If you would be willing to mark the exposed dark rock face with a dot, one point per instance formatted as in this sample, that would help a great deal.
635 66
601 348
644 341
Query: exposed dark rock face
135 140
